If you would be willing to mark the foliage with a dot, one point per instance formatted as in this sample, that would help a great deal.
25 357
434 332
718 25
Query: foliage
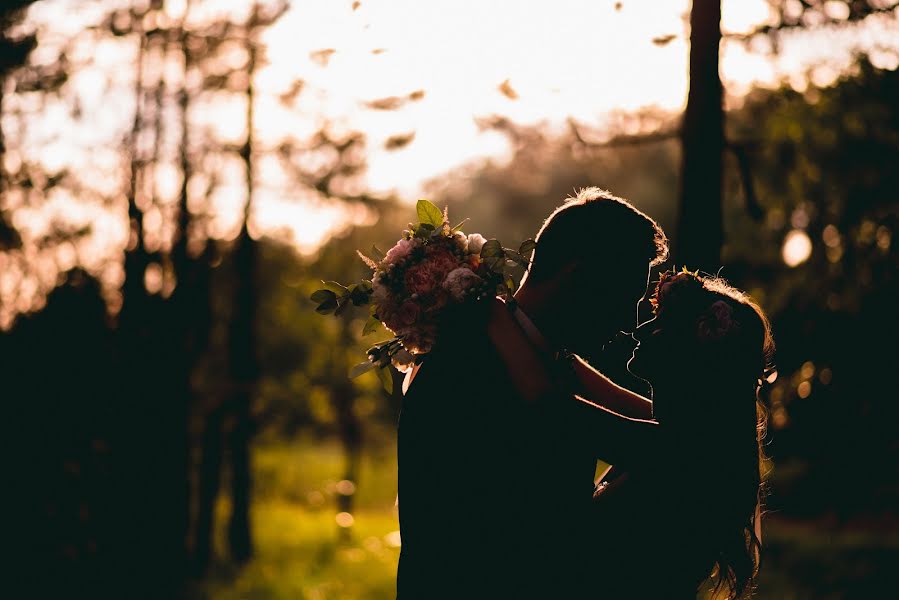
824 164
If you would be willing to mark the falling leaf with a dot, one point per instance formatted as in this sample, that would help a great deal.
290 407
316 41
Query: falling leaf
291 94
377 51
507 90
361 368
394 102
388 103
322 57
663 40
395 142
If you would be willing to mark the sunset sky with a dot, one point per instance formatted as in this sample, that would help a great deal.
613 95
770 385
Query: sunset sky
560 58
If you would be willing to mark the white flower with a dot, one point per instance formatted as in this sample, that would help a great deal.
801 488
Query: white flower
476 241
459 281
461 241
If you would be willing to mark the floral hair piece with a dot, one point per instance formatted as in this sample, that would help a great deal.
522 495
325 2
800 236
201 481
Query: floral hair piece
433 266
676 284
718 322
686 288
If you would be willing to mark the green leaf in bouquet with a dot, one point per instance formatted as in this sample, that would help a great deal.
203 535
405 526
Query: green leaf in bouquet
386 378
360 296
510 284
459 226
335 287
342 305
517 258
517 272
429 214
327 307
376 252
320 296
361 369
491 249
371 326
424 230
527 247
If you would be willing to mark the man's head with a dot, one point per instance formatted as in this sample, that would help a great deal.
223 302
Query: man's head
592 263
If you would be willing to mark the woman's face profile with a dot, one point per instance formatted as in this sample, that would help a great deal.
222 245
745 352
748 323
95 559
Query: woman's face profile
646 359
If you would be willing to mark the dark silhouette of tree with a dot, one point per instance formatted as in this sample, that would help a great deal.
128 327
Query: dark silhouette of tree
700 235
242 342
69 525
13 54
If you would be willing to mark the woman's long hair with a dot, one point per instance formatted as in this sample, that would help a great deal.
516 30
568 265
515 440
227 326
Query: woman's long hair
730 337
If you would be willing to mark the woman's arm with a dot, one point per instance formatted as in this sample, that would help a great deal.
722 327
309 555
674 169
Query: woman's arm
603 391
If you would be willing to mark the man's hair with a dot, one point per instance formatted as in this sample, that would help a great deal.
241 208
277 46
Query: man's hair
598 227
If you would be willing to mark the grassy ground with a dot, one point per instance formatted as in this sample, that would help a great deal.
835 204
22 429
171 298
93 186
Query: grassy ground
302 553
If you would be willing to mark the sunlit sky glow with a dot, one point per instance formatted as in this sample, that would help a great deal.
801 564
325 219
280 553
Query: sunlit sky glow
580 58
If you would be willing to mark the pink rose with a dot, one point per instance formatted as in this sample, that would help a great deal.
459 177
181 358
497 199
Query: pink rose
408 312
420 279
440 261
400 251
419 341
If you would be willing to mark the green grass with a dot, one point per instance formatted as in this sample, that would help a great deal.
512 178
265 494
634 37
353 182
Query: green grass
302 554
299 556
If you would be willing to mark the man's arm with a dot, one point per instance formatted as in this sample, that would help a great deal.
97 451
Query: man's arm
603 391
614 438
526 369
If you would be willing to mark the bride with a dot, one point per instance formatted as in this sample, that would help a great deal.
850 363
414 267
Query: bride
682 502
682 508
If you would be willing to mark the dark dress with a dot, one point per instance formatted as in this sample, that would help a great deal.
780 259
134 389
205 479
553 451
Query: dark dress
651 537
494 494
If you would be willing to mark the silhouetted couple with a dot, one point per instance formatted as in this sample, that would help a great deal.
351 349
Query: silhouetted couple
503 423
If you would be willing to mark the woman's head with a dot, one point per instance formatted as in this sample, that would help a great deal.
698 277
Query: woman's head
705 354
704 331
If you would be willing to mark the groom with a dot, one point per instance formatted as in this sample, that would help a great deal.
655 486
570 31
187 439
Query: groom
494 490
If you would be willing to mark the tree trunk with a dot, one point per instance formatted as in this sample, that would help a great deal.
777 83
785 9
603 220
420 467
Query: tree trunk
242 344
209 482
344 396
133 290
700 232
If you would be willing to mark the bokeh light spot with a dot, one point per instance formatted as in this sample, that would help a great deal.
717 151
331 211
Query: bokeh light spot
831 236
808 370
346 487
797 248
393 539
345 519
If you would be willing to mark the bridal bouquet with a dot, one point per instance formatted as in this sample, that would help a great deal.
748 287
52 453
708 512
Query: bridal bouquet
432 267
